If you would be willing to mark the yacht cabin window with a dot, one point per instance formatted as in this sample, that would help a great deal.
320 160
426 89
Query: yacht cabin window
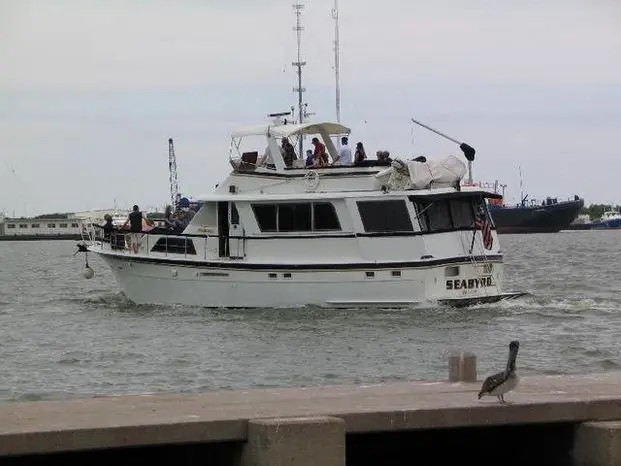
385 216
448 214
234 214
299 216
170 244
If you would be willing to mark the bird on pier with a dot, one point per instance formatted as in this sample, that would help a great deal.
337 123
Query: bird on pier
505 381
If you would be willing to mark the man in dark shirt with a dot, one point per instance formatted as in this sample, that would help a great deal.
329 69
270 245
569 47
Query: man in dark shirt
288 152
134 219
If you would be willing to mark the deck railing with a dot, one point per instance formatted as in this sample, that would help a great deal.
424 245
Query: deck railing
189 246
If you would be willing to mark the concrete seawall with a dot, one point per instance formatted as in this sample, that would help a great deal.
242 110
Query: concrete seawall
306 424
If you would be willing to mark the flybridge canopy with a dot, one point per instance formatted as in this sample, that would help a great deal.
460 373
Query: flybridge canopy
272 157
283 131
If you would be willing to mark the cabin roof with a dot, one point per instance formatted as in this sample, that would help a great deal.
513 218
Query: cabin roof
280 131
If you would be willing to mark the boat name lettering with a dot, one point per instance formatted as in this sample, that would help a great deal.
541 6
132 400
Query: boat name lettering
470 283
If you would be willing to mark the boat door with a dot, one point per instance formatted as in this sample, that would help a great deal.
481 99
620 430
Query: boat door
230 232
223 229
236 234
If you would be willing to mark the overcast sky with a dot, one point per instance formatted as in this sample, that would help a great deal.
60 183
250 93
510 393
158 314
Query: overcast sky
91 90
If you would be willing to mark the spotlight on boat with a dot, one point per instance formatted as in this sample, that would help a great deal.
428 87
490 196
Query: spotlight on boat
468 151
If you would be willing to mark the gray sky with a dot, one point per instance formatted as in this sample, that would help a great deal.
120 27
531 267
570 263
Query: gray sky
91 90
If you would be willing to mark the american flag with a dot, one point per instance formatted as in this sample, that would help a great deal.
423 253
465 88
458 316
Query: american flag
482 223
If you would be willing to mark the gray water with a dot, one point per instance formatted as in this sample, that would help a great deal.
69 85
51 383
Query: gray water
62 336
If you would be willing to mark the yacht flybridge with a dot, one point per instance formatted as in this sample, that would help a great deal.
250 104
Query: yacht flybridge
276 233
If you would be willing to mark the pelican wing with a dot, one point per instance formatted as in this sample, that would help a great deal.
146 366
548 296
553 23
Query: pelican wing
492 382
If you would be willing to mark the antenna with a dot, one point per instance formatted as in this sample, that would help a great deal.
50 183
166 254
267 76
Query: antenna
335 16
172 174
298 7
521 187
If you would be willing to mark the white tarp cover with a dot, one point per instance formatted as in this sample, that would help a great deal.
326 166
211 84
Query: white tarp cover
437 173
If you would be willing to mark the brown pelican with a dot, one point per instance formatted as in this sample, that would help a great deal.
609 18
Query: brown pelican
505 381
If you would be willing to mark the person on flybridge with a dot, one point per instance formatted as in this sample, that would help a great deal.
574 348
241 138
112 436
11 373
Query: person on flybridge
286 150
345 157
319 154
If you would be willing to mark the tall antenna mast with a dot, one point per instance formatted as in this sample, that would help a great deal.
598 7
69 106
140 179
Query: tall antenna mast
298 7
298 28
335 16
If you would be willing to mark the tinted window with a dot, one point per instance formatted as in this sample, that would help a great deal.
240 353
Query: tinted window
174 245
384 216
439 216
234 215
462 213
325 217
288 217
266 216
294 217
446 215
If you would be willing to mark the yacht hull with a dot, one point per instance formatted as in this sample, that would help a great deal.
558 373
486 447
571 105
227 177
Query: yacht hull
247 285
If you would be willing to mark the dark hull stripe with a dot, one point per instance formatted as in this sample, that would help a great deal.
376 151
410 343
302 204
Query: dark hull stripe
310 267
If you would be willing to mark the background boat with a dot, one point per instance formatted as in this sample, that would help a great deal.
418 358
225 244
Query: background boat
610 219
581 222
549 216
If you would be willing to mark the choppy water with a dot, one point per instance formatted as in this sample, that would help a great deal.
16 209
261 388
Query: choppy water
62 336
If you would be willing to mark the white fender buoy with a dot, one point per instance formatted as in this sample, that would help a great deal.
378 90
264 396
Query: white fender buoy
88 273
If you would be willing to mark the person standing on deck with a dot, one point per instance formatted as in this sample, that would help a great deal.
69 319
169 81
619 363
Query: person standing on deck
134 220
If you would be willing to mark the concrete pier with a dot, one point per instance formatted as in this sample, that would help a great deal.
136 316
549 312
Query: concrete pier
300 426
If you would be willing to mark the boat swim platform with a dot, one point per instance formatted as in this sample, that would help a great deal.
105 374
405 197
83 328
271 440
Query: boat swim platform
315 425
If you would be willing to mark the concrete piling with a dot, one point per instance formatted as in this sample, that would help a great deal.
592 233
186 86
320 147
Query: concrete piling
598 444
462 366
296 441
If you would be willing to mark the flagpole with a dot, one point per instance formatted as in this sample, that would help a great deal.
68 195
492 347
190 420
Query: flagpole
474 234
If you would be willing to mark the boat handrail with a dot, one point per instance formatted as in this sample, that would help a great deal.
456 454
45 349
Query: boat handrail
117 241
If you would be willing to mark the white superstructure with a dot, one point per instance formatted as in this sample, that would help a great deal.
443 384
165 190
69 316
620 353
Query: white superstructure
272 235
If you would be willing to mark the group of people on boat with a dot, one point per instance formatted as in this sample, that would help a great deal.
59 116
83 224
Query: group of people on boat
135 225
138 223
318 156
180 218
